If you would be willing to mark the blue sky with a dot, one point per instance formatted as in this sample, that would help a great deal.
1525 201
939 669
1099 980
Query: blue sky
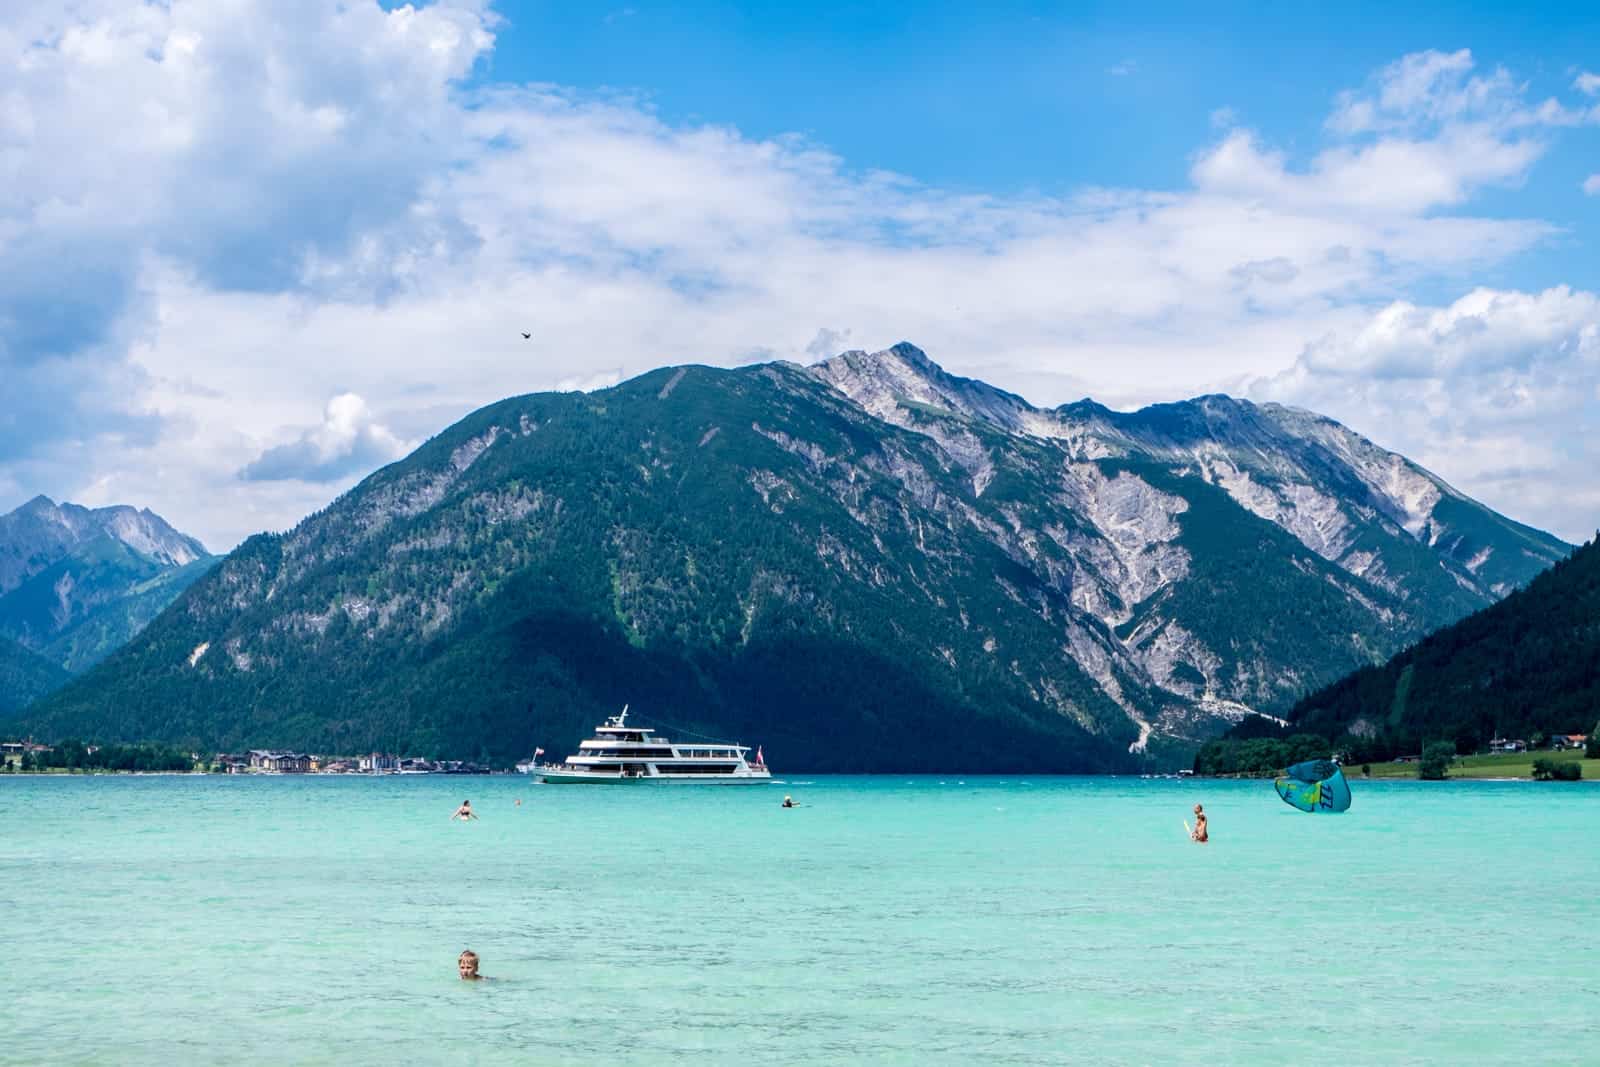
248 252
1024 97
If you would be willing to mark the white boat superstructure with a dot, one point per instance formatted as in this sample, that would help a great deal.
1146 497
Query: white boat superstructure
621 753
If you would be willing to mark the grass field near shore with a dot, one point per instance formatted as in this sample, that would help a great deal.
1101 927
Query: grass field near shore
1505 765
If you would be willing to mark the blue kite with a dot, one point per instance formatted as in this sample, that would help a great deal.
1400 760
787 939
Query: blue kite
1316 785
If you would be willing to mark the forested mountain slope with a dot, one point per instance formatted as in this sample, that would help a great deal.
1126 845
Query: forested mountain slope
1527 665
25 676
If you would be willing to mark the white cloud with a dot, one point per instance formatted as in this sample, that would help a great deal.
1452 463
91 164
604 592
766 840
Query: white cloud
348 441
1587 83
1434 91
1499 391
1428 132
344 218
1275 271
828 342
236 137
588 383
1591 185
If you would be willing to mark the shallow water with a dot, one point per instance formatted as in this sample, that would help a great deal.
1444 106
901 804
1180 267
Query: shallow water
285 919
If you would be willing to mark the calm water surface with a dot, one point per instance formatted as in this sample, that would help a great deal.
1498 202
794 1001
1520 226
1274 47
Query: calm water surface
1065 920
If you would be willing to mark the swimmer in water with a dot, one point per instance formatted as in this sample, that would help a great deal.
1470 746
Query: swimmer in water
788 802
464 812
1200 834
467 966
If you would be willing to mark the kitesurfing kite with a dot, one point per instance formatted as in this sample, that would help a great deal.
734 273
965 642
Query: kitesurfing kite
1315 785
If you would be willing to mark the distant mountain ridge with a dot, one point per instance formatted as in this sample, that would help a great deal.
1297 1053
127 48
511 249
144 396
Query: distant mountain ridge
868 563
41 531
77 583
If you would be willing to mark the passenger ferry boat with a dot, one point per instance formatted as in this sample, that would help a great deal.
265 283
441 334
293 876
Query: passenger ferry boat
621 753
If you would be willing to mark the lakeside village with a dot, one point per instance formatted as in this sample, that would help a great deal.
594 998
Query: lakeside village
28 756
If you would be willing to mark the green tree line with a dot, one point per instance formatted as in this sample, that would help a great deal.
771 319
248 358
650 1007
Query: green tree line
78 756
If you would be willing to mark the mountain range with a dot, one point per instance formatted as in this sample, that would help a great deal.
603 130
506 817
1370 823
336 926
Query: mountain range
866 564
77 583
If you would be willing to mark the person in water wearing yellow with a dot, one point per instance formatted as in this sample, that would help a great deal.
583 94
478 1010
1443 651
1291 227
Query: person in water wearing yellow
1200 833
464 812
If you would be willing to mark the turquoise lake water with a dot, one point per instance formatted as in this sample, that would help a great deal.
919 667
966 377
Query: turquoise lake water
1042 920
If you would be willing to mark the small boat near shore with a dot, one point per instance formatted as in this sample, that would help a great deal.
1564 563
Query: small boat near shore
623 754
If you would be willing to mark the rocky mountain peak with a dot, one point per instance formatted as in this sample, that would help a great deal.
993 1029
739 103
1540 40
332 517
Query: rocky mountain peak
884 382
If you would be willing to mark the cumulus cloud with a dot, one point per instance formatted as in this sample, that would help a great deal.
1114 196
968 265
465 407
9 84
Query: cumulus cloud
1429 131
1276 271
1428 88
1499 391
237 141
827 343
270 204
1591 185
588 383
348 441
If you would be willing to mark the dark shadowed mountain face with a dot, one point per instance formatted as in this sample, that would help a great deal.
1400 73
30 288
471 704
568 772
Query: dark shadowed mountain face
76 583
863 565
1528 665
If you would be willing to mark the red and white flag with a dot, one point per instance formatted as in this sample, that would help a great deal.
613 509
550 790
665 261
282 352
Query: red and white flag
759 761
538 752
